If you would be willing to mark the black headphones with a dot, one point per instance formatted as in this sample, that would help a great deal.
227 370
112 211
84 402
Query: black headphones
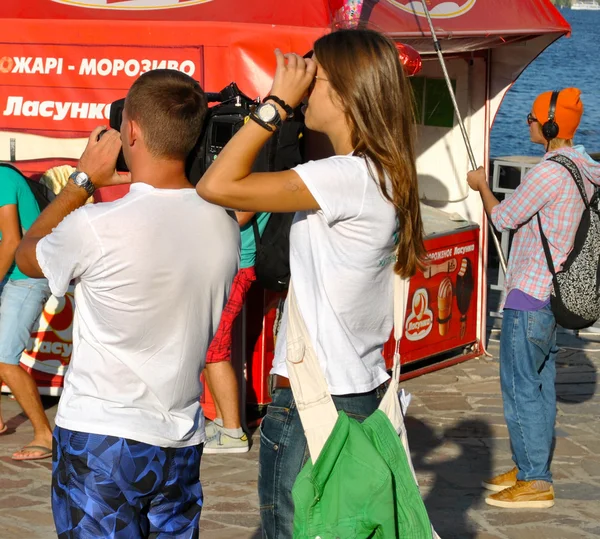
550 129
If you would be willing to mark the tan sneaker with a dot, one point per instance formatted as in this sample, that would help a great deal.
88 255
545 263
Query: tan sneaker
502 481
523 495
223 443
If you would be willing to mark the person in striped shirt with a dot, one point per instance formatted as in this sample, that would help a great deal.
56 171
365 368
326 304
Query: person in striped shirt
528 339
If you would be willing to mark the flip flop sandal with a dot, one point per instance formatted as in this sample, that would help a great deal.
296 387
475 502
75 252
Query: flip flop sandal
46 452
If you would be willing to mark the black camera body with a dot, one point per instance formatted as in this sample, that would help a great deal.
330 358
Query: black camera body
116 116
222 122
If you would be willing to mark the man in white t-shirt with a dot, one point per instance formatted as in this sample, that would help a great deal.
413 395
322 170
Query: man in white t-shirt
152 273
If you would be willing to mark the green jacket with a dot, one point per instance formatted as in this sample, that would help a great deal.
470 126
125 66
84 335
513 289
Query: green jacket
360 487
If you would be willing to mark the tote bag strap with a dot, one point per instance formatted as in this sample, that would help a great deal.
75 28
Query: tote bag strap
315 406
401 287
392 404
314 403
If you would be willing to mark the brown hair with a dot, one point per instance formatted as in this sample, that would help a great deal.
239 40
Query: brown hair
364 69
557 143
170 108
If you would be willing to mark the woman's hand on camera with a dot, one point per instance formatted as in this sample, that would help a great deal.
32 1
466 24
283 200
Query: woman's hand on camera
293 77
99 159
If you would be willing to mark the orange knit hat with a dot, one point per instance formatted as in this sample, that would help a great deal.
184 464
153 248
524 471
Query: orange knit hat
569 109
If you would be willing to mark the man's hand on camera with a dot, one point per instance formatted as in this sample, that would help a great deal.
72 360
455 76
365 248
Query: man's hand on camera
476 179
293 76
99 159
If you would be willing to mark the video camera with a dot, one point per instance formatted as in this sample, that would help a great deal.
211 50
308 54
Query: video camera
223 120
116 115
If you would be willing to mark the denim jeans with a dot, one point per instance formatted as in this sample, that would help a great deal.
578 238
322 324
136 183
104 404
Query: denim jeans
527 374
283 453
21 304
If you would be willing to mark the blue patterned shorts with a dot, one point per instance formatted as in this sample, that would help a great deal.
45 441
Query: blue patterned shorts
103 486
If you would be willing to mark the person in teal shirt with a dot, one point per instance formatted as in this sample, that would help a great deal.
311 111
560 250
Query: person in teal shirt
225 433
248 243
21 302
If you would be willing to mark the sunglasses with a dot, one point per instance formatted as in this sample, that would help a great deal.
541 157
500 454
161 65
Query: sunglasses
531 119
314 81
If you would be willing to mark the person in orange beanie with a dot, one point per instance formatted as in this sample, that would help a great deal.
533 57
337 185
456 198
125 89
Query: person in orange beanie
558 114
528 338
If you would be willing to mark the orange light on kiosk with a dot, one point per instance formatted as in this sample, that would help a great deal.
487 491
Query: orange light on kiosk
410 59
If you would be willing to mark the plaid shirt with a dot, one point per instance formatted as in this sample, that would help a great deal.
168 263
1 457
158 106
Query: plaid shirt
548 188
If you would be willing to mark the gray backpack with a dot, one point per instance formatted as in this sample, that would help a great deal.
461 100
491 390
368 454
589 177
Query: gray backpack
575 299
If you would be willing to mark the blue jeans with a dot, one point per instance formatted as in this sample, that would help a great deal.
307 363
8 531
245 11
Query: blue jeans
21 304
104 486
283 453
527 374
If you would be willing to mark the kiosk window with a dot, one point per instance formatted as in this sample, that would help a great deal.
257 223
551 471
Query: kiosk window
433 103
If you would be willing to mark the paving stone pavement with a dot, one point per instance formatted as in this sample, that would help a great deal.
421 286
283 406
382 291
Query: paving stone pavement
457 435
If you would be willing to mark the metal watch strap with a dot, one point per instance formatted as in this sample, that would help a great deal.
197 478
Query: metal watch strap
88 186
288 110
260 122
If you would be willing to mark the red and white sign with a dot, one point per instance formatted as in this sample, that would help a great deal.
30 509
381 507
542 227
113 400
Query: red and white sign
443 296
114 67
132 4
51 343
438 9
66 91
442 308
55 109
420 320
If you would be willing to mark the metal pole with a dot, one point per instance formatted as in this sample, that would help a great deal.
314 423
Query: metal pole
438 50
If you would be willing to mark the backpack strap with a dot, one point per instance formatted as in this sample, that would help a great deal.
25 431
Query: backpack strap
5 164
43 194
578 179
546 247
256 232
575 174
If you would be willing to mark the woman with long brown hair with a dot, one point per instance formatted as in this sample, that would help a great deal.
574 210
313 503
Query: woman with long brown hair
357 222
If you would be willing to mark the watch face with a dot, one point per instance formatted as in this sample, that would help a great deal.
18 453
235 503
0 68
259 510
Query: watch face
80 178
267 112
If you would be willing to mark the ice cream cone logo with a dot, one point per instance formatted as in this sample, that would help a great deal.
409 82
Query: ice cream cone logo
464 292
51 342
444 300
132 5
447 266
420 321
438 9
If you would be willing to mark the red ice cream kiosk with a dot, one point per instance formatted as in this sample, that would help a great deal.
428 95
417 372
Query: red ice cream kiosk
62 62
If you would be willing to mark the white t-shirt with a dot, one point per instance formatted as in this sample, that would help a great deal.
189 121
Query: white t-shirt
152 274
341 261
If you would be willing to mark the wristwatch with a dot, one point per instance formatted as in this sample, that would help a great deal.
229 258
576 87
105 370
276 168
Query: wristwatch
267 116
81 179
